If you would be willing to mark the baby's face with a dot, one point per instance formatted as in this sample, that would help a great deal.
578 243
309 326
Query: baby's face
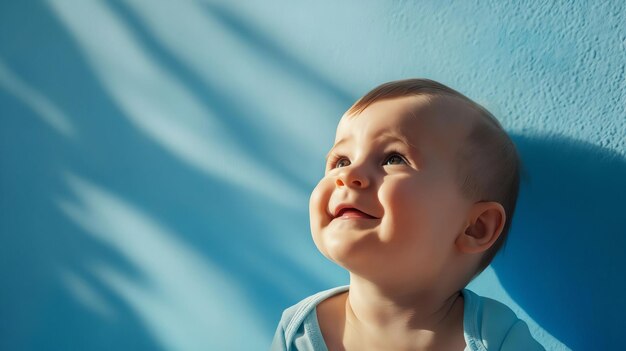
389 206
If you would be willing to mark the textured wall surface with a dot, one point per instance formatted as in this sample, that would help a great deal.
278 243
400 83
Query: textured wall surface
156 159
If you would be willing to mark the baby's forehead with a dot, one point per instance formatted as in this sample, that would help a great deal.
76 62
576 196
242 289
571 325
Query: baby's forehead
437 128
411 116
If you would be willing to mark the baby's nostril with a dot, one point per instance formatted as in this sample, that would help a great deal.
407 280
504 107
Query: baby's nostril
356 182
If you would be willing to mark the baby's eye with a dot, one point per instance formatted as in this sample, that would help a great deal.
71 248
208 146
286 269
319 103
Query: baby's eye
342 162
394 159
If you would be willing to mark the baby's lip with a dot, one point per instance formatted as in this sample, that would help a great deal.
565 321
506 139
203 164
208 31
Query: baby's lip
348 208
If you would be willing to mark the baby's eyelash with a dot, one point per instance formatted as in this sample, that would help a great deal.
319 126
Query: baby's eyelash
395 154
337 161
334 159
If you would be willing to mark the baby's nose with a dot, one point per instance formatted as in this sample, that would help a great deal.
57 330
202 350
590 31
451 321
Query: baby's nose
355 182
352 178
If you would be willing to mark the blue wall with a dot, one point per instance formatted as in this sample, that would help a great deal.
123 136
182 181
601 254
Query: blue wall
156 159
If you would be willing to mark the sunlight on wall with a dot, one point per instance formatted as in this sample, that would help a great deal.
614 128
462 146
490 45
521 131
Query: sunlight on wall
40 104
186 303
163 108
86 294
201 40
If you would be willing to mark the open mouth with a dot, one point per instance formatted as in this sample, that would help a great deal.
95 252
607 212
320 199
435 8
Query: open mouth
350 212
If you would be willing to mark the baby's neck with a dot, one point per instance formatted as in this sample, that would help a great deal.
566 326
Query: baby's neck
411 320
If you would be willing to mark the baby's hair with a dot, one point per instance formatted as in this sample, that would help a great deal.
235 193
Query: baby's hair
489 164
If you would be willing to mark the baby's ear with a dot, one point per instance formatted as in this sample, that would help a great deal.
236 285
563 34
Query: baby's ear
484 226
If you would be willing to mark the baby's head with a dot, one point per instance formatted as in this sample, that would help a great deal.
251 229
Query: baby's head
421 182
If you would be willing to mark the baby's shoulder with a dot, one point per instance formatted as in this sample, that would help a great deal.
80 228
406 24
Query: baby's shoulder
298 324
296 314
488 322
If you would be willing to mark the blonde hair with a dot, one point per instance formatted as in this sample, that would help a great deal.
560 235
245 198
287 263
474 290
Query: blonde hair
489 164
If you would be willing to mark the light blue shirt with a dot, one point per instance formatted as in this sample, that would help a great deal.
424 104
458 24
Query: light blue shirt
487 325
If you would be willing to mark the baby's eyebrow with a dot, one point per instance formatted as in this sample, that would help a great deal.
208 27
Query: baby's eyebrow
398 137
385 136
341 141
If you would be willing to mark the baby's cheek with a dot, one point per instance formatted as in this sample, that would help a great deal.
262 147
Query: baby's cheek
317 197
318 204
406 206
317 208
399 196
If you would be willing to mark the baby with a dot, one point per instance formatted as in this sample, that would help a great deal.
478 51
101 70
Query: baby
417 198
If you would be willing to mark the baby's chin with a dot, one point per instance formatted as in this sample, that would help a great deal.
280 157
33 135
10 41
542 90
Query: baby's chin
353 254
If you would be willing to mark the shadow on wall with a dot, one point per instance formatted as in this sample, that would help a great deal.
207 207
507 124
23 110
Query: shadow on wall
564 263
